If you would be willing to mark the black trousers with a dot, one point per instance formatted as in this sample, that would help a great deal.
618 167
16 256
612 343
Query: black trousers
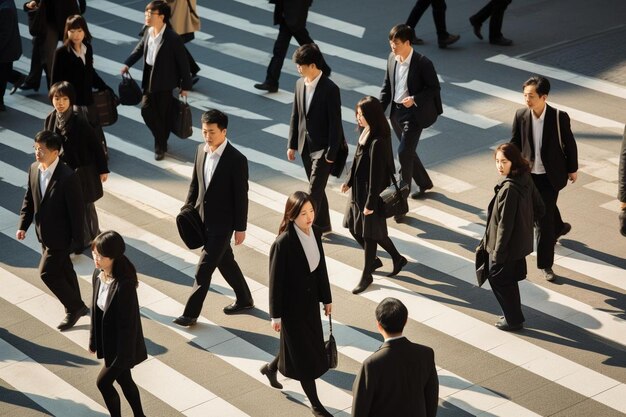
317 171
550 225
57 272
503 279
156 110
408 131
439 15
7 75
111 398
494 11
216 253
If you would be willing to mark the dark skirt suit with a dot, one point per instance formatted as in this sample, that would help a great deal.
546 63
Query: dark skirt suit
295 297
81 149
509 239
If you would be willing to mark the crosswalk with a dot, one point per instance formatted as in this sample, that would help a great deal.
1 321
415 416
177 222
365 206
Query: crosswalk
572 352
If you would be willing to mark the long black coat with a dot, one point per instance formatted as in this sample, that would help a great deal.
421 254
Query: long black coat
295 297
369 175
10 41
68 67
116 334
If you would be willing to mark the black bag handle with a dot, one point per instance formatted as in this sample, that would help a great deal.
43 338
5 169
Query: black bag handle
330 322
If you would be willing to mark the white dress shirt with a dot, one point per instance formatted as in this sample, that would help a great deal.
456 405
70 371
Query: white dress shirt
154 43
311 250
82 53
402 74
212 158
45 175
537 123
103 292
309 89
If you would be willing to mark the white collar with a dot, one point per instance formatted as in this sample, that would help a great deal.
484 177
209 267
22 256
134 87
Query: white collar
542 116
313 83
407 61
50 169
158 35
219 151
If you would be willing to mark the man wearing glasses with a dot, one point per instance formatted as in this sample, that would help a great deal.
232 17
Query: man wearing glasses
54 201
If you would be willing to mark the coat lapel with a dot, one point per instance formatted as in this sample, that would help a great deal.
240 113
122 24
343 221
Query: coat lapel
295 243
221 166
34 185
110 295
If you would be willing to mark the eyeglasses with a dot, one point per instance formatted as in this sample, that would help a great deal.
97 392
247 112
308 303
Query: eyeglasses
150 13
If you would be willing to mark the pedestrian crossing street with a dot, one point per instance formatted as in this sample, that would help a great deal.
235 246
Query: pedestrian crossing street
569 360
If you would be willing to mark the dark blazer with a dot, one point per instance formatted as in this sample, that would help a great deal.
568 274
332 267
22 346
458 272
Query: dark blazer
57 12
68 67
59 213
399 379
10 41
171 67
223 206
557 162
621 194
116 334
320 127
292 12
511 216
423 85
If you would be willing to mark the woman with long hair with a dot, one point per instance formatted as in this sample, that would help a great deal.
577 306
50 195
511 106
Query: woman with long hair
81 152
116 334
298 284
509 234
369 175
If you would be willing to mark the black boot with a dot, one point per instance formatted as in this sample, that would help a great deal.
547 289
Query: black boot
366 280
271 376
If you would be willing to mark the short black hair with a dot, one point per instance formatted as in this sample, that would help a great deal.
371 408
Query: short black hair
215 116
162 7
392 315
401 32
542 85
51 140
308 54
63 89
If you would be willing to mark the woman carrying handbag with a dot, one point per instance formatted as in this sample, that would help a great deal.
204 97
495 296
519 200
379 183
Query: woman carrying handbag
369 175
298 284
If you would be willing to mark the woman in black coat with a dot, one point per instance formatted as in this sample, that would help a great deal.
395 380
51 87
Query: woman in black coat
369 175
298 284
509 234
81 152
116 333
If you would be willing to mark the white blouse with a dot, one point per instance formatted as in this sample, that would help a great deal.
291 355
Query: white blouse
311 250
103 293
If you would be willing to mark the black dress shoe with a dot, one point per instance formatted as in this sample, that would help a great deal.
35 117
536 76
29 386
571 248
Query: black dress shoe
194 79
397 266
449 40
270 88
320 411
501 41
417 41
503 325
159 155
185 321
565 230
25 87
420 193
399 218
363 284
476 27
71 318
271 376
377 264
237 307
20 81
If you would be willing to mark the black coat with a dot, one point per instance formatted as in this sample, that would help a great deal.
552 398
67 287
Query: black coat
59 213
68 67
295 295
10 41
171 67
57 12
512 213
116 334
621 195
320 128
369 175
223 206
292 12
399 379
557 161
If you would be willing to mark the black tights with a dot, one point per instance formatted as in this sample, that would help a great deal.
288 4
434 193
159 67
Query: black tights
309 388
110 395
370 246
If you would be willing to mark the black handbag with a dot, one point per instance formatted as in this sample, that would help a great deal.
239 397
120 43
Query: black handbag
394 198
190 227
331 347
105 102
481 263
129 91
182 126
336 170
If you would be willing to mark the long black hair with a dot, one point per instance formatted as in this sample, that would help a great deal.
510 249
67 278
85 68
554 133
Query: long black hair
519 165
111 245
374 115
293 207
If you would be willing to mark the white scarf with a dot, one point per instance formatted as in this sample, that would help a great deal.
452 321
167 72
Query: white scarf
364 135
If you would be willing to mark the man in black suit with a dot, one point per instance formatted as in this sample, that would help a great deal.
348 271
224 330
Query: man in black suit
165 68
412 88
219 191
291 17
315 130
400 378
544 136
54 201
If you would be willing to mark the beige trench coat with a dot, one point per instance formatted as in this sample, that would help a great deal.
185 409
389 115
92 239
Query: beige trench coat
183 21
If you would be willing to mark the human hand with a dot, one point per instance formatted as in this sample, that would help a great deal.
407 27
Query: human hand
20 234
291 154
622 206
239 238
183 93
276 326
573 176
367 211
408 101
344 188
124 69
328 308
104 177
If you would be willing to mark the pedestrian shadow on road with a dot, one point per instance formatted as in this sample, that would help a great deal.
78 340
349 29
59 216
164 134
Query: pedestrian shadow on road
36 402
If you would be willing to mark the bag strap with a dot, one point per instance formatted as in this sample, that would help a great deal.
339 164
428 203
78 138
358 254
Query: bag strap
330 322
558 129
193 12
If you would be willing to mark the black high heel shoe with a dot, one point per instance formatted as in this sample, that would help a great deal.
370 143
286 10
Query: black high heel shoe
397 266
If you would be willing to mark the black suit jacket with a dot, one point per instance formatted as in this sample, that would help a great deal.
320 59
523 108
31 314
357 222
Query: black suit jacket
320 128
557 161
116 334
292 12
399 379
223 206
171 67
59 213
423 85
68 67
57 12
